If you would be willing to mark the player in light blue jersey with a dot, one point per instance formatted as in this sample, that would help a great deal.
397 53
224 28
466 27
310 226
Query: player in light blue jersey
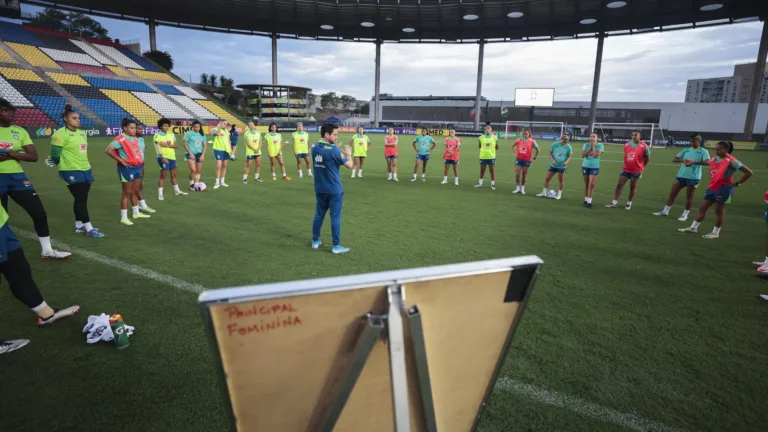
559 155
688 176
423 146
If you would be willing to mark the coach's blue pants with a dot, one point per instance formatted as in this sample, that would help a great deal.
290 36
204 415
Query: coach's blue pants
324 202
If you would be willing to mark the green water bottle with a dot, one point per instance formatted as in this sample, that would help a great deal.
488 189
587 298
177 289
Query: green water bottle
118 329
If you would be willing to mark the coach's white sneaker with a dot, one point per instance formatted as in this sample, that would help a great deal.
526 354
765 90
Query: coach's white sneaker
54 254
682 218
177 193
661 213
688 230
711 236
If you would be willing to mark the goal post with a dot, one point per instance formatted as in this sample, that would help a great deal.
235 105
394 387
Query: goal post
619 133
539 130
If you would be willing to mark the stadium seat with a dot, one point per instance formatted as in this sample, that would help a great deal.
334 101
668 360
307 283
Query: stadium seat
6 58
53 106
218 112
145 64
55 40
70 57
114 84
86 68
84 92
168 89
9 93
133 105
120 71
28 88
107 110
32 117
64 78
118 56
162 105
153 76
10 32
20 74
93 52
193 107
190 92
33 55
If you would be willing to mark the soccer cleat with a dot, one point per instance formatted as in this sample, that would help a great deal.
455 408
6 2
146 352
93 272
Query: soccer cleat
762 269
57 315
764 297
360 175
522 192
147 210
54 254
687 230
316 244
517 190
587 205
310 175
628 207
682 218
456 183
12 345
160 198
395 179
661 213
610 206
181 192
274 178
759 263
423 179
80 230
413 179
558 197
141 216
216 186
543 194
224 184
94 233
286 178
493 187
259 180
192 188
126 222
339 249
245 181
444 182
478 185
711 236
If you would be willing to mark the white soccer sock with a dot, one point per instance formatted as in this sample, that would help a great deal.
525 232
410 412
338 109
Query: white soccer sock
544 191
78 224
589 200
423 176
176 188
222 180
40 307
160 191
685 213
273 174
135 210
695 225
716 230
309 172
480 181
414 176
456 180
301 174
218 180
123 214
245 177
191 183
614 202
493 182
666 209
522 188
353 172
45 243
284 174
88 226
257 175
360 172
629 203
559 193
389 175
445 178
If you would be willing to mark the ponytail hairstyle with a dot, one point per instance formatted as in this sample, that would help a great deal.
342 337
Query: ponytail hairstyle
127 121
526 129
67 109
728 146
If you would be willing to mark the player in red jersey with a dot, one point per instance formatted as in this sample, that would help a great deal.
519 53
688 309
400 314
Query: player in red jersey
390 154
637 154
451 156
525 148
721 185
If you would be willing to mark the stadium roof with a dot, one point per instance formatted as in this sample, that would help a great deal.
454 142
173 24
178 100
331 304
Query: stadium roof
437 21
430 98
268 87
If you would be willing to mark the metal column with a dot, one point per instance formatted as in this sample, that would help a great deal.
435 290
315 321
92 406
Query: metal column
152 35
274 59
757 84
377 85
596 82
480 54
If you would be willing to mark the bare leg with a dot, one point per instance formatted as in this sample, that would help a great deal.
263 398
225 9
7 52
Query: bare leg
517 175
482 172
174 181
587 179
445 171
676 188
561 180
703 208
456 171
719 215
591 187
690 192
548 179
619 187
633 188
525 175
492 169
161 182
424 167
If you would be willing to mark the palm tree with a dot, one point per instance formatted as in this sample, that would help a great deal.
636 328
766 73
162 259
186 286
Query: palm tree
213 79
204 80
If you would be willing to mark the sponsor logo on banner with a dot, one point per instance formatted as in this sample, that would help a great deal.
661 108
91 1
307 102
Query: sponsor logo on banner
347 129
737 145
433 132
405 131
44 132
376 130
91 132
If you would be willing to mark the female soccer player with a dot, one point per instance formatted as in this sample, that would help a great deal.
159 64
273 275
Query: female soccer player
525 148
688 176
15 147
165 144
590 167
301 149
390 154
275 150
69 151
559 155
143 207
423 145
233 135
195 146
637 154
222 151
488 144
451 156
125 150
360 143
721 185
252 151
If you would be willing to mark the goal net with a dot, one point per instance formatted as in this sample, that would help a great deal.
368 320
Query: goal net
539 130
620 133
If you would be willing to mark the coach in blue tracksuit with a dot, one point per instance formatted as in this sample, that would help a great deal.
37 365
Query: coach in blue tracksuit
327 158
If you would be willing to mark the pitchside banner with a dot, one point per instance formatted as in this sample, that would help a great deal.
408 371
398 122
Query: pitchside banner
737 145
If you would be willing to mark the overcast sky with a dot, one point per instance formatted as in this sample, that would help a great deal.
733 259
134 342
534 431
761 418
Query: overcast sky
645 68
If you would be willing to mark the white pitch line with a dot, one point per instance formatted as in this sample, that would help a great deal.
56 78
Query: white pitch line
121 265
580 406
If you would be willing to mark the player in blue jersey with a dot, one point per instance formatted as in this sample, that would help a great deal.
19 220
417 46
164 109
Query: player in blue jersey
590 167
559 155
688 176
423 146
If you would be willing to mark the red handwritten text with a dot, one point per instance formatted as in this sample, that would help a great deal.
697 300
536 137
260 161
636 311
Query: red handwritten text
263 326
235 312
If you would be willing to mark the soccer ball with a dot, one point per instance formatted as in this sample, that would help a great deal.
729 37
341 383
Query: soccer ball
551 194
200 187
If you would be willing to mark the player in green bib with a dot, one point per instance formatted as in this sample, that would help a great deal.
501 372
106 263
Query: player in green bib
488 144
274 142
423 145
688 176
590 167
559 155
301 149
196 146
15 147
360 143
252 139
69 151
222 151
165 144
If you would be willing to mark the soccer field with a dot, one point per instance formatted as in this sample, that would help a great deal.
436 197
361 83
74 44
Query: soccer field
632 325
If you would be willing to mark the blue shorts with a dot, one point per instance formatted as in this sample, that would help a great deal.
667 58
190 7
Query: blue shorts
197 157
8 242
14 182
74 177
590 171
422 157
129 174
171 165
303 155
487 162
354 156
687 182
451 162
391 157
635 176
557 170
252 157
523 163
720 196
221 155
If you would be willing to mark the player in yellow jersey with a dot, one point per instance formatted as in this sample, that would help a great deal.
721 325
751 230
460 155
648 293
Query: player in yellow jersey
275 143
165 144
252 151
222 151
488 144
360 143
301 148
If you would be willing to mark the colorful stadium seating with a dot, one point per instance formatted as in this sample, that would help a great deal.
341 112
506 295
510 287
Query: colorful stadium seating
193 107
218 111
33 55
162 105
168 89
153 76
190 92
10 32
6 58
110 112
54 107
138 109
115 84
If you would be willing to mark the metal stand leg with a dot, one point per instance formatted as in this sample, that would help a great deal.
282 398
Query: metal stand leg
422 369
397 359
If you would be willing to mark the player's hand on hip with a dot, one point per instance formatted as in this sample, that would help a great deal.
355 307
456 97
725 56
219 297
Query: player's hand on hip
165 161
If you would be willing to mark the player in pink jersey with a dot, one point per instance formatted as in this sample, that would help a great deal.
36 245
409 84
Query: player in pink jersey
390 154
451 156
721 185
525 155
637 154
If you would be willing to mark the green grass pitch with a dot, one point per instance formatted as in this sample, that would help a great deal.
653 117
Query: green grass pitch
628 315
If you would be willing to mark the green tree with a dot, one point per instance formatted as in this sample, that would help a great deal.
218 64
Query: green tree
75 23
213 81
162 58
365 108
227 87
329 101
204 79
347 102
